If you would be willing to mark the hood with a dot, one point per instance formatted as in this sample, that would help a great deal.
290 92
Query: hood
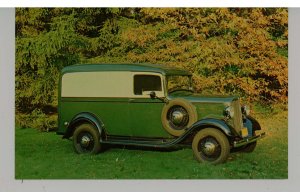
198 98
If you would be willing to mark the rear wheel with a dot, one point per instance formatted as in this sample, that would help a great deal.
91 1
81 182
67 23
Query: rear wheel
86 139
210 145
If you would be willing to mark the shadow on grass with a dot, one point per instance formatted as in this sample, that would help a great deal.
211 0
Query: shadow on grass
143 148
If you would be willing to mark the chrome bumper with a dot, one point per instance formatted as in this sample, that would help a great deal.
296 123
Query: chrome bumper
248 140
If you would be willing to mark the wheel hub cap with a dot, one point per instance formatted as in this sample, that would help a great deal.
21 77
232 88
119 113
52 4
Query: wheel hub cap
85 141
209 148
177 117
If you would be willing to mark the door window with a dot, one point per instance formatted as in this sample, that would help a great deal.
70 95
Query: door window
144 83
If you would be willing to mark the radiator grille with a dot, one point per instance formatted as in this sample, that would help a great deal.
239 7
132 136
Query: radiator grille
237 118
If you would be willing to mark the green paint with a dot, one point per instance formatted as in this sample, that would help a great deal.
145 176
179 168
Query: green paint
206 106
145 118
145 67
195 97
136 117
210 110
113 113
121 116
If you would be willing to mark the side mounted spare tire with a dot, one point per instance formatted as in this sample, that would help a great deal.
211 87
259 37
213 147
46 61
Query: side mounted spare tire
177 115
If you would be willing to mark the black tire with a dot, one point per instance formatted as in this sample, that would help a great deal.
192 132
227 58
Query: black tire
86 139
211 146
249 148
186 108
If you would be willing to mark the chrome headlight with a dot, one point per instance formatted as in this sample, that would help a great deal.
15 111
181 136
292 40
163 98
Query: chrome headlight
229 112
246 110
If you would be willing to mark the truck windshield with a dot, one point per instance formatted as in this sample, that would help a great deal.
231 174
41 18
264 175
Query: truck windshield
179 83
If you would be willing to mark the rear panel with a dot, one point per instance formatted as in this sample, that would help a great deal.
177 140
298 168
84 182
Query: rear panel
112 112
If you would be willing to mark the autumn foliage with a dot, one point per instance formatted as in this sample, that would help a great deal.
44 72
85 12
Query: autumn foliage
228 50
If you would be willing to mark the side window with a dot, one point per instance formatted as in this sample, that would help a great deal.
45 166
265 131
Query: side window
146 83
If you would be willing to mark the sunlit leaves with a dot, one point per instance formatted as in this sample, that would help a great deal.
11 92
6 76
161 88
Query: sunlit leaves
236 50
240 51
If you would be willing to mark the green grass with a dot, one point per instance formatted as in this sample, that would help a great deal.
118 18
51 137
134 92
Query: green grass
42 155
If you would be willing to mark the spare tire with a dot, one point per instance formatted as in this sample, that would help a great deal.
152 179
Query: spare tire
177 115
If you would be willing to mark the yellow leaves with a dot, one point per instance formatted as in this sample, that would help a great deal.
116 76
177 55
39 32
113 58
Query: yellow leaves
223 12
282 43
140 36
158 12
286 33
228 51
257 16
281 16
205 30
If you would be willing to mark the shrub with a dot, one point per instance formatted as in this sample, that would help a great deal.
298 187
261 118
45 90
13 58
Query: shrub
37 120
229 51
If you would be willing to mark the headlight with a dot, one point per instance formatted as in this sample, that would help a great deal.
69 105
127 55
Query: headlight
229 112
246 110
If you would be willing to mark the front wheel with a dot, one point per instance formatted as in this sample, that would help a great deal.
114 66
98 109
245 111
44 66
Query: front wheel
249 148
86 139
210 145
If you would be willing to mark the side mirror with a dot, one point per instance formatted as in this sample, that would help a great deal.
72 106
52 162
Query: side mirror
152 95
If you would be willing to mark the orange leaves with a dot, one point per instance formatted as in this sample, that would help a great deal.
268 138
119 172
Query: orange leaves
280 16
157 12
140 36
282 43
258 17
240 51
229 51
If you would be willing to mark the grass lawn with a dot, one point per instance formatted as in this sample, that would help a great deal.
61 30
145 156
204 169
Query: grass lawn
41 155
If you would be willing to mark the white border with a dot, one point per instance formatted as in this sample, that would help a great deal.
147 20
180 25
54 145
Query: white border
8 183
148 3
294 95
7 95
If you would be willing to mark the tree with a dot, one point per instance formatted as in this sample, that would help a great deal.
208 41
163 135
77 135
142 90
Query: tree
229 51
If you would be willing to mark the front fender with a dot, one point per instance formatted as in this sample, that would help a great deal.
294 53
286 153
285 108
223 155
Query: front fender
251 124
210 122
255 124
81 118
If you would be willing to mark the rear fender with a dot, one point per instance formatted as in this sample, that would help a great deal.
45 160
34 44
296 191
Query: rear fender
84 117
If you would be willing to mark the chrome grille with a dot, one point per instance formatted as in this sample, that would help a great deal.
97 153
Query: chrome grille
237 118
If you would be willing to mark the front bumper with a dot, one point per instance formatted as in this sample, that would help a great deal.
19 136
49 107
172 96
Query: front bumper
248 140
